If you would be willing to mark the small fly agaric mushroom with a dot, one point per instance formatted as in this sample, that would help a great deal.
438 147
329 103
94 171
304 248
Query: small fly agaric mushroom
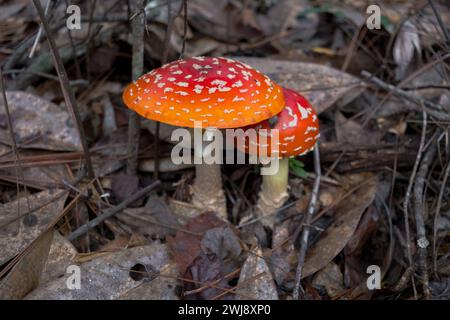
218 93
298 131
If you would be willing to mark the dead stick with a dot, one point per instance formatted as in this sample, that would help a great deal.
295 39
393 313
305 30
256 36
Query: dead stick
433 109
110 212
441 23
17 163
69 97
422 241
436 216
408 192
137 27
164 58
307 224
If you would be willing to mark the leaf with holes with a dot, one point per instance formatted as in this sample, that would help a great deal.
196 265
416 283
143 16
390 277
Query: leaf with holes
111 276
19 227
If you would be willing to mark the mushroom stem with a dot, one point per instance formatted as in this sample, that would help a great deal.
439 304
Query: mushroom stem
207 189
273 193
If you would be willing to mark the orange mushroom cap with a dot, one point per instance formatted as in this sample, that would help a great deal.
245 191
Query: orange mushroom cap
219 92
297 125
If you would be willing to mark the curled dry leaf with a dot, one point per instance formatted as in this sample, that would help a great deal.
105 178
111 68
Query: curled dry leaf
406 43
321 85
348 213
206 269
33 117
284 254
186 245
223 242
61 254
206 251
255 281
111 277
17 232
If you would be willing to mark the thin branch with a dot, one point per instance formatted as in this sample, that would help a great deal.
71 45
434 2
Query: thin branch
433 109
441 23
17 162
112 211
408 191
137 29
185 27
436 216
298 290
422 241
39 33
164 58
69 97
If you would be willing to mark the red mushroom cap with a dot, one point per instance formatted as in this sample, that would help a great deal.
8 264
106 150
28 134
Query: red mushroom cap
297 125
219 92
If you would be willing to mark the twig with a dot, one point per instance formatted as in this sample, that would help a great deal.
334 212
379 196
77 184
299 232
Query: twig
39 33
164 58
436 216
17 162
441 24
110 212
422 241
434 109
74 49
307 224
185 27
408 191
138 28
69 97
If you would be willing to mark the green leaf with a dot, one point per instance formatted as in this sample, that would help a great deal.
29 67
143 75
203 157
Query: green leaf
297 168
387 24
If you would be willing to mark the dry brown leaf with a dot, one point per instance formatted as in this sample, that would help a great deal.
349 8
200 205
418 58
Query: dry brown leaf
255 281
336 236
39 177
61 254
283 254
25 274
186 245
331 278
33 116
16 234
108 276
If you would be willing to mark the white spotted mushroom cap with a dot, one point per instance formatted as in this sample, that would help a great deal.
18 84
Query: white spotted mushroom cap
219 92
298 128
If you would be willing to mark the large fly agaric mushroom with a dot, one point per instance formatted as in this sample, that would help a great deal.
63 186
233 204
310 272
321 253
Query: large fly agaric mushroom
298 131
218 93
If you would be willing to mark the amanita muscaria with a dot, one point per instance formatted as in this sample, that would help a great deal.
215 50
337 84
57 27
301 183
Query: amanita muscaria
218 93
298 131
